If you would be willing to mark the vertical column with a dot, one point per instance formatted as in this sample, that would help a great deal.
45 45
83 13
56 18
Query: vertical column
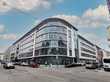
72 43
96 52
9 58
67 42
34 42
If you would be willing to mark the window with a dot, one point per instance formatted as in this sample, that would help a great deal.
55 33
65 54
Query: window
87 55
86 50
54 43
54 51
62 51
28 54
70 52
44 51
36 52
61 43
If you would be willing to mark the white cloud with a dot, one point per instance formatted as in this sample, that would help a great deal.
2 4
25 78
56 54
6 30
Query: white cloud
2 28
8 37
25 5
4 36
100 11
30 4
3 6
93 38
98 17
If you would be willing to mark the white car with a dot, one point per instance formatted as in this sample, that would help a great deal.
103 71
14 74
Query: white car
24 64
106 62
8 65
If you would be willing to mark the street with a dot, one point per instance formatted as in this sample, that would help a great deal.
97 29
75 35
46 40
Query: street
78 74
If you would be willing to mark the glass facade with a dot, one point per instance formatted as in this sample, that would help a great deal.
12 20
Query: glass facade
49 42
61 60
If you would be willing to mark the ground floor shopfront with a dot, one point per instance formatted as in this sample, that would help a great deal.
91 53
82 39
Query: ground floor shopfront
50 60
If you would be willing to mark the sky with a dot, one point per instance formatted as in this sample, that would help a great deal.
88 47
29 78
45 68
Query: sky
17 17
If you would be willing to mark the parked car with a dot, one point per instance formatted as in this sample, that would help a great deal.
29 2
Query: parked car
2 62
17 63
93 65
106 62
34 65
74 65
8 65
24 64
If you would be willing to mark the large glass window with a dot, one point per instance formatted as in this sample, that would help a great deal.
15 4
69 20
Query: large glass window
54 51
51 29
62 51
54 43
45 43
61 43
51 40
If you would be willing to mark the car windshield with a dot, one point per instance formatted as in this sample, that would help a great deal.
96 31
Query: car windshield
106 60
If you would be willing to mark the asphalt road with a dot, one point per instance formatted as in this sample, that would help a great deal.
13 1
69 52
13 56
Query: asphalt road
27 74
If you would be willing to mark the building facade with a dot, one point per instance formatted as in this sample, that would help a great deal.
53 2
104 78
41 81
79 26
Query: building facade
1 56
53 41
87 50
100 55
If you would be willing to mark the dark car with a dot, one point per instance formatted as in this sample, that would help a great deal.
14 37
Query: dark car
2 62
17 63
8 65
34 65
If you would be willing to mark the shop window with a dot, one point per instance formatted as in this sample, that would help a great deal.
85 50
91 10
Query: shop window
62 51
44 51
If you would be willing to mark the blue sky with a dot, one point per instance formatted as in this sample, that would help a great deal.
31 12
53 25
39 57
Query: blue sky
18 16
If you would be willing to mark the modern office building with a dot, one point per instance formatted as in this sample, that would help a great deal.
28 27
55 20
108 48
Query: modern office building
53 41
87 50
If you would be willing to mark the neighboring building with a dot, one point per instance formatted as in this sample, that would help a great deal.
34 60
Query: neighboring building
7 55
87 50
99 56
106 54
1 56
